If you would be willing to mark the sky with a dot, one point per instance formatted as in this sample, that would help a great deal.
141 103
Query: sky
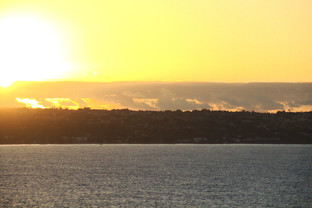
156 55
145 40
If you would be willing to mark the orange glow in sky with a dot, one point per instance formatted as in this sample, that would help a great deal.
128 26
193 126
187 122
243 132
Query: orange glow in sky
145 40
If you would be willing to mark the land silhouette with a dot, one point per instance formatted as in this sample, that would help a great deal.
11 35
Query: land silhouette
85 125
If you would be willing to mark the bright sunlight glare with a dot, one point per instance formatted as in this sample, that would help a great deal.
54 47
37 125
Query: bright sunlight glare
30 103
30 50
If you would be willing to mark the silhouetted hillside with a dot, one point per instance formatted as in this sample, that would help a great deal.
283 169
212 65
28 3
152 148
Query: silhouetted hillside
26 126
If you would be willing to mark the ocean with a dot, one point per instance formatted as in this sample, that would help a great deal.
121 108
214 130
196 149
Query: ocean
224 175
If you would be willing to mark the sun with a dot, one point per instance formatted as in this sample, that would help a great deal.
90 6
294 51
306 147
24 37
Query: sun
31 49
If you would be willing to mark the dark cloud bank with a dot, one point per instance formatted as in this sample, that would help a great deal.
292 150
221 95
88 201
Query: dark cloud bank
166 96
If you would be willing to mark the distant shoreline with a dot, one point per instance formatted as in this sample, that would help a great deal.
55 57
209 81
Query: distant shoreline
87 126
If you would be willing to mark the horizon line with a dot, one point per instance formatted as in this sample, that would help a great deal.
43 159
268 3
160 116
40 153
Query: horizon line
154 82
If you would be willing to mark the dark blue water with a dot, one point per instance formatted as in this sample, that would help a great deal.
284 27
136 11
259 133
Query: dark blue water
156 176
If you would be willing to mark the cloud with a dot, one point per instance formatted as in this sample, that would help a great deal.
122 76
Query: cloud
30 103
67 103
149 104
162 95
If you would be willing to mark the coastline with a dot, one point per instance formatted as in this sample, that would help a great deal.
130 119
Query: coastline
87 126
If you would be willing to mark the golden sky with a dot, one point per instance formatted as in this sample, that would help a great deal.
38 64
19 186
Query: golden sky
145 40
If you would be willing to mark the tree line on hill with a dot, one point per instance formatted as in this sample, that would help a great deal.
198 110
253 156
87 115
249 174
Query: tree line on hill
63 126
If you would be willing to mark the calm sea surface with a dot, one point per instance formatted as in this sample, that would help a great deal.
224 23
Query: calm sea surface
156 176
